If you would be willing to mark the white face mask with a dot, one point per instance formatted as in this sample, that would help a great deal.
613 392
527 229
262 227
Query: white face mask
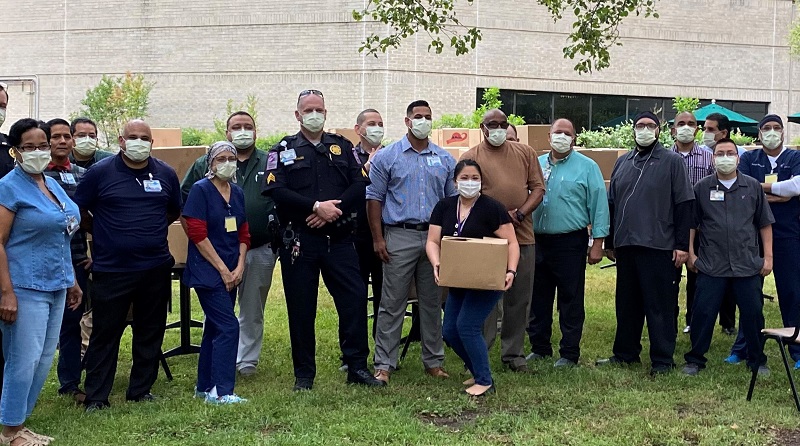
645 137
137 150
242 139
36 161
497 137
469 188
421 128
708 139
685 134
725 164
226 170
85 146
2 116
771 139
314 121
560 142
374 135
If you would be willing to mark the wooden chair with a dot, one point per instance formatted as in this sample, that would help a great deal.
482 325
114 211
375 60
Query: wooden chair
784 337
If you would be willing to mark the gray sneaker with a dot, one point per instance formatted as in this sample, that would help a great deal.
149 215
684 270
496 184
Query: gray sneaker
248 370
533 357
763 370
564 362
691 369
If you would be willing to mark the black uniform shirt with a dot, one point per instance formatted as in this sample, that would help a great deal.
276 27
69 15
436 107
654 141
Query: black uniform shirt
729 227
326 171
6 161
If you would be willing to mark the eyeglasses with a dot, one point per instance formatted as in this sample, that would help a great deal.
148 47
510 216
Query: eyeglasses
650 126
29 148
305 93
496 125
222 159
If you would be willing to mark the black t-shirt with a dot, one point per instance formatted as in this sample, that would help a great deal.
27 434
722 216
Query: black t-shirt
486 216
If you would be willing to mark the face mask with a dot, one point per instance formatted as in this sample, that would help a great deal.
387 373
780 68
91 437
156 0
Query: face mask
708 139
497 137
560 142
314 121
469 188
137 150
226 170
242 139
645 137
85 146
2 116
725 164
771 139
421 128
685 134
36 161
374 135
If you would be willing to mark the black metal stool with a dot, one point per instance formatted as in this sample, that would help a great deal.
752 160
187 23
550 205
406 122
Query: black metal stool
784 337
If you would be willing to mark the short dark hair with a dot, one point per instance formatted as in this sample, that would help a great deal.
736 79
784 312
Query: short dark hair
726 141
465 163
723 123
513 127
419 103
362 116
59 121
239 113
81 120
22 126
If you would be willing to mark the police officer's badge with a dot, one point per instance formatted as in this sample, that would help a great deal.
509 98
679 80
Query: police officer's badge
271 178
336 150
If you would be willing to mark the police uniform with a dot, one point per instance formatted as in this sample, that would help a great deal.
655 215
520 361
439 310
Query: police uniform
299 174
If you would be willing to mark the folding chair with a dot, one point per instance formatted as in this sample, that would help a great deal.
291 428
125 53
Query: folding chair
784 337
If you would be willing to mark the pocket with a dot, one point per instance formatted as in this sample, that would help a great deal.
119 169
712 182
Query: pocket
299 175
338 173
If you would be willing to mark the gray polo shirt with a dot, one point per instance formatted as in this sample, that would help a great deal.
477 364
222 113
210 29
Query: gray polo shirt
729 238
644 190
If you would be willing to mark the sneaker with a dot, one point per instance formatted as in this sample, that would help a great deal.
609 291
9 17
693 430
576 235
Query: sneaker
763 370
687 329
691 369
534 357
225 400
613 360
199 394
248 370
95 406
797 365
661 370
564 362
301 384
730 331
363 377
146 398
733 359
344 368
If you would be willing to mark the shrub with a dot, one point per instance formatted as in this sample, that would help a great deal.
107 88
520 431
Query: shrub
491 101
618 137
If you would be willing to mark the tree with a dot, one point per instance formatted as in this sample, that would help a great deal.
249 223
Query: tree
114 102
682 104
594 31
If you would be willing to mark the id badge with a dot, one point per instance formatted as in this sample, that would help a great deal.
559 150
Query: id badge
717 195
67 178
546 175
72 226
230 224
288 157
152 186
434 161
771 178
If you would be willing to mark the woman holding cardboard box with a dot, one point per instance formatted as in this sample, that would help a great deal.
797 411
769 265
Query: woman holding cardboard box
471 215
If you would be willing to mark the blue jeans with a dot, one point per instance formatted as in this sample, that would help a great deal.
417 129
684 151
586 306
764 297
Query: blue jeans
464 314
216 366
29 345
69 344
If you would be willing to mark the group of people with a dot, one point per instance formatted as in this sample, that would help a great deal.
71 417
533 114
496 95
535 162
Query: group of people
368 214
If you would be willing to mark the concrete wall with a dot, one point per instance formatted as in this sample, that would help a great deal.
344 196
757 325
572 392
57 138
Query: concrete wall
200 54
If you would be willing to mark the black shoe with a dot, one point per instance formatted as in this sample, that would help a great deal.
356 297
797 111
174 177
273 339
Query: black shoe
520 368
661 370
730 331
362 376
301 384
146 398
613 360
94 406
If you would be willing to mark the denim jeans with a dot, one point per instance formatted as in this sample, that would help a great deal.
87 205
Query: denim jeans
216 366
462 329
29 345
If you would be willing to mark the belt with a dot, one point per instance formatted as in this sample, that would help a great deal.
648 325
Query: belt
576 233
414 226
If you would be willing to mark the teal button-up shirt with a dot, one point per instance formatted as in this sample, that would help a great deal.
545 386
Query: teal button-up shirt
575 197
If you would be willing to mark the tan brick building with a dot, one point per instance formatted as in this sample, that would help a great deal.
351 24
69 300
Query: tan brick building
200 54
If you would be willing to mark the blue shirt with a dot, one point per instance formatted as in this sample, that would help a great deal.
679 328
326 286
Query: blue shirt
38 246
409 184
130 224
787 214
575 197
206 203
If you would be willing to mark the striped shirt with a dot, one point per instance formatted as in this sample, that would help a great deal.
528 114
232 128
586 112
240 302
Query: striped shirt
698 162
408 183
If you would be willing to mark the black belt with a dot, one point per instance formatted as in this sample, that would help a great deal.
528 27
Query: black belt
580 232
414 226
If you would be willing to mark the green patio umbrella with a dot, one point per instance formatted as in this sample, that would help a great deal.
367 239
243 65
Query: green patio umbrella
736 119
794 118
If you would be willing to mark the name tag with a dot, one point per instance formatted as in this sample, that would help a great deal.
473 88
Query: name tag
546 175
230 224
67 178
771 178
717 195
288 157
152 185
434 161
72 226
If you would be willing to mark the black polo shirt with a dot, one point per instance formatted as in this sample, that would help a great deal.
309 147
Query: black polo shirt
644 189
729 229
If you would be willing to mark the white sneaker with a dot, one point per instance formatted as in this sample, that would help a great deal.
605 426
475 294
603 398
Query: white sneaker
687 329
225 400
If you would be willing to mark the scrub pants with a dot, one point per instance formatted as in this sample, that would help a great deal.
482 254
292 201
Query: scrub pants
338 263
216 366
70 362
464 315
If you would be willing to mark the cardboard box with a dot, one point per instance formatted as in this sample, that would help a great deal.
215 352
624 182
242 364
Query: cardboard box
347 133
455 138
178 242
167 138
478 264
456 152
179 158
475 137
536 136
605 158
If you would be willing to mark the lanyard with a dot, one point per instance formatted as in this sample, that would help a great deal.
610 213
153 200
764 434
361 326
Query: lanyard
460 224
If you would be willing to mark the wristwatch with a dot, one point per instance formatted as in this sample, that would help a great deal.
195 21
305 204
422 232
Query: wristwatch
520 217
514 273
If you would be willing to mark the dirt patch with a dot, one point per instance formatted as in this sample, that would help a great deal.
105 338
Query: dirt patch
452 423
786 437
685 410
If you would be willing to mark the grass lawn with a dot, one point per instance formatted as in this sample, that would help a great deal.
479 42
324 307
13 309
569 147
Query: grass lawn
586 405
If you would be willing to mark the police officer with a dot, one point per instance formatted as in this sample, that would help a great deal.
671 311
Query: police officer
318 186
